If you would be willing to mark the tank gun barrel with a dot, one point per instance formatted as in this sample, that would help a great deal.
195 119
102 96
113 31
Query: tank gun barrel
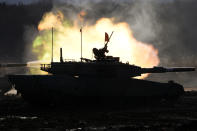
163 70
180 69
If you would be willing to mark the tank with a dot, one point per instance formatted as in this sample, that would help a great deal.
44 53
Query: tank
104 79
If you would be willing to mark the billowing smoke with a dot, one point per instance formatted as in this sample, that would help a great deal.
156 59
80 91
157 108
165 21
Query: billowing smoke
166 25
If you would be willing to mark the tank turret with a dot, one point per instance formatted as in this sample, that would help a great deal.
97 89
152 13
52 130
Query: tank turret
104 66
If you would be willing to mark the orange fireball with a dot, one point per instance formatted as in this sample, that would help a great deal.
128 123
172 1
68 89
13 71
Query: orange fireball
122 44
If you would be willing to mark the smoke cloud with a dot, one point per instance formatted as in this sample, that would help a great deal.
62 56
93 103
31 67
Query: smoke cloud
161 24
169 26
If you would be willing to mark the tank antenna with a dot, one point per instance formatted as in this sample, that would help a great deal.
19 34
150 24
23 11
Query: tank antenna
52 47
61 57
81 30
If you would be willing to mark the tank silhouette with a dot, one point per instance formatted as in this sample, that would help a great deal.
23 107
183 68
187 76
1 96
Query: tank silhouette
104 79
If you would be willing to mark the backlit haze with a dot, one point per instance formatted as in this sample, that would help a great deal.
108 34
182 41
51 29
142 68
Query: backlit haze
67 36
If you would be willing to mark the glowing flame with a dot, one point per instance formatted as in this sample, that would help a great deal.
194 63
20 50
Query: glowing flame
67 35
52 21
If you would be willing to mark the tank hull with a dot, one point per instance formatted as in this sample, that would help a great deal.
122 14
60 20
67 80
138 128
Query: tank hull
62 89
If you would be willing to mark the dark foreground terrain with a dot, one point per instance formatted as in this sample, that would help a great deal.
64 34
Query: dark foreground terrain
16 114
